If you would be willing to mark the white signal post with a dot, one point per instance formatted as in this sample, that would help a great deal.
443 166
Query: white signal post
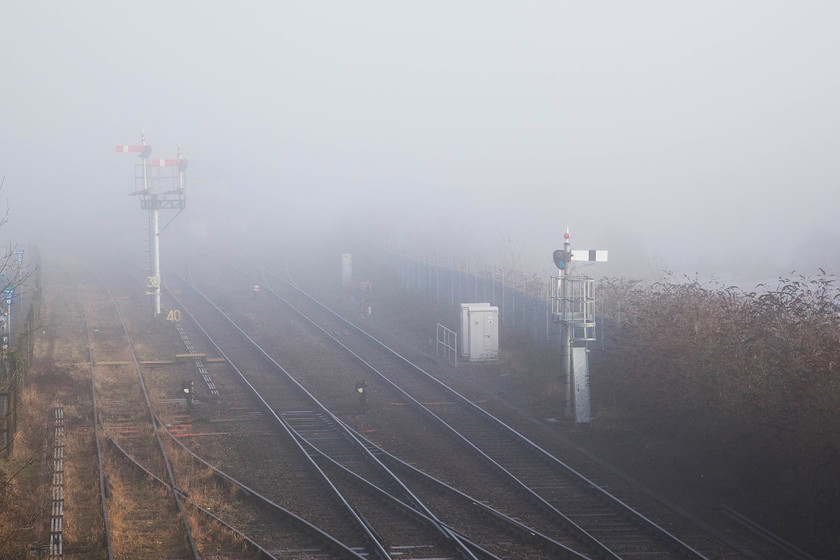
150 188
573 306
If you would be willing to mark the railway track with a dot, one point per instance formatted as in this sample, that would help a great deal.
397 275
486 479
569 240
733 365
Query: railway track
383 469
713 542
145 523
494 482
316 426
77 520
138 471
538 547
723 540
421 458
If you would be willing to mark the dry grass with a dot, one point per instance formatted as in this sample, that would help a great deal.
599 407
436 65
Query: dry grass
144 519
83 524
206 490
23 479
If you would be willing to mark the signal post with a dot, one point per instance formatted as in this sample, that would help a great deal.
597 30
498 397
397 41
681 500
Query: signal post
573 307
160 184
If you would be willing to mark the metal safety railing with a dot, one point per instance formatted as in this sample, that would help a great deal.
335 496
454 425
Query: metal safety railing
573 303
447 343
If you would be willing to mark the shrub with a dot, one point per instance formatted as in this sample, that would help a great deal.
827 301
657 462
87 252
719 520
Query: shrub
750 376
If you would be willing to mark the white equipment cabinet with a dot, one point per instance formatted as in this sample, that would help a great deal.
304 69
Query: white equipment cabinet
479 331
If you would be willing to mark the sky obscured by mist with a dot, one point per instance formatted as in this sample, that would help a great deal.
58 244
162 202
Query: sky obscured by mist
699 137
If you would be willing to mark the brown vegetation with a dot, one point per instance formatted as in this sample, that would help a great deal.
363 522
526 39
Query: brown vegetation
22 474
742 387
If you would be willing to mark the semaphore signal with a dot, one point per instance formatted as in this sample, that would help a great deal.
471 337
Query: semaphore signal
157 190
167 162
126 148
573 307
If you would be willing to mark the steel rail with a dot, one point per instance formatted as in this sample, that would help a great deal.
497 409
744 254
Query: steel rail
366 447
642 520
153 419
573 527
394 500
583 535
372 540
184 496
109 549
319 533
428 515
97 438
430 480
426 478
766 535
176 491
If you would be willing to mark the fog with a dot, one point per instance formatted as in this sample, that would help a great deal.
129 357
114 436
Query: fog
697 137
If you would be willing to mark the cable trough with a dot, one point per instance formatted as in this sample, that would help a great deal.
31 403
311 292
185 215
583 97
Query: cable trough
56 550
